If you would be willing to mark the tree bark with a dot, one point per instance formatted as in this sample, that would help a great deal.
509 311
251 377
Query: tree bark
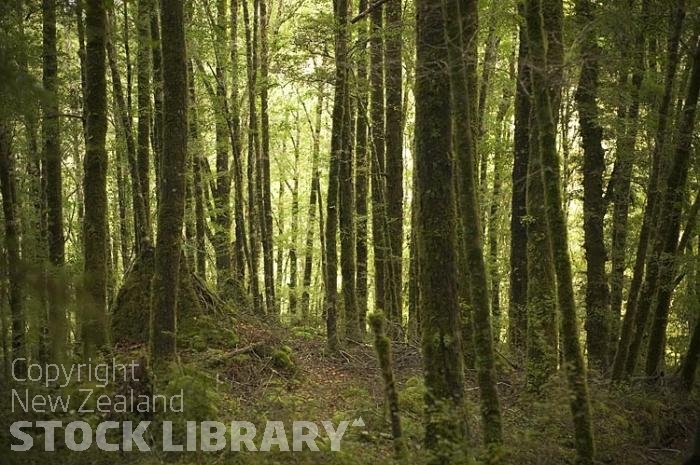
57 321
8 189
340 112
470 213
666 242
436 228
143 101
264 167
597 318
394 165
171 207
362 170
539 39
626 332
311 215
93 320
517 302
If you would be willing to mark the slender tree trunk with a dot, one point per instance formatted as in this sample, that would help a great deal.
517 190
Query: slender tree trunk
157 131
311 215
436 228
362 169
517 302
666 242
542 341
626 332
93 320
222 196
293 259
495 232
141 230
377 160
471 224
597 318
622 172
347 216
8 189
143 100
171 207
197 182
539 38
692 357
241 252
57 322
253 148
264 158
394 165
337 159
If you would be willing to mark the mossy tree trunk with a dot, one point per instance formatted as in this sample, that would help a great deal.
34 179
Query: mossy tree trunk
311 214
378 157
93 319
436 228
517 302
626 331
539 35
157 119
362 169
139 179
620 183
666 242
597 318
394 164
195 159
222 195
171 205
253 149
471 222
8 189
338 145
57 320
264 167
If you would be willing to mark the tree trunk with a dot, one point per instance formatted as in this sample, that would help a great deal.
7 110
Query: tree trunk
93 320
539 39
597 318
362 169
141 228
157 131
57 321
222 196
241 252
171 207
266 204
8 190
311 215
340 112
196 160
293 258
650 211
253 149
143 101
394 165
666 242
622 173
470 213
517 302
446 427
377 160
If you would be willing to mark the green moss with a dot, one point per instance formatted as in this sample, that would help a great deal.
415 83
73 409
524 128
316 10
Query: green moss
130 310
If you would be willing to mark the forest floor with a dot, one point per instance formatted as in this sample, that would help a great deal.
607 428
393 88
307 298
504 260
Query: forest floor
247 371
